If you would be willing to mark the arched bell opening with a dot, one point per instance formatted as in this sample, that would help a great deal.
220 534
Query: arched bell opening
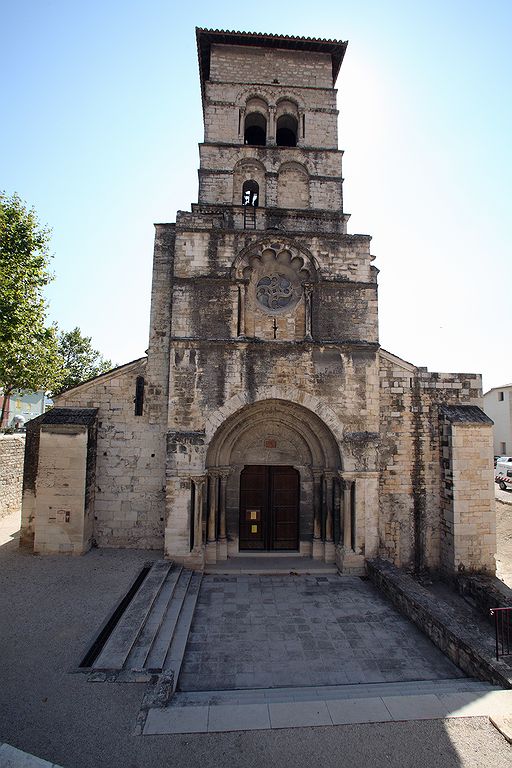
250 193
286 131
255 129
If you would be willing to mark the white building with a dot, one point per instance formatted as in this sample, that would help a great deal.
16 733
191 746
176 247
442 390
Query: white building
498 405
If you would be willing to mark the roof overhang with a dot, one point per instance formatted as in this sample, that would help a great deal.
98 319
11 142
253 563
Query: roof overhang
207 37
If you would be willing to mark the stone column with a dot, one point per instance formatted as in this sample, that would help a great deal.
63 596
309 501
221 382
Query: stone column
348 489
242 289
308 320
197 520
271 127
222 544
318 545
348 559
329 553
211 542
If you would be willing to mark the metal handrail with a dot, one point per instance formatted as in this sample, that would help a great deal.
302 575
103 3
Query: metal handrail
502 630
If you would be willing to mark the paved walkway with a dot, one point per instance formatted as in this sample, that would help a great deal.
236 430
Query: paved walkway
278 631
220 711
51 606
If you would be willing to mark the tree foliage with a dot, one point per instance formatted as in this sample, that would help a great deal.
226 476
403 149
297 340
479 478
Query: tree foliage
29 357
81 361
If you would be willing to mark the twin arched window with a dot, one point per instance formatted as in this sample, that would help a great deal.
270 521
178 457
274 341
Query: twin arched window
255 124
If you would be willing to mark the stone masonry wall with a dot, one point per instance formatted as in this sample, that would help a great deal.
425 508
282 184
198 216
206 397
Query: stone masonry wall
410 457
244 64
130 464
468 525
320 174
12 449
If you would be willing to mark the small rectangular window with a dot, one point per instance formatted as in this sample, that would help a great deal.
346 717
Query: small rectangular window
501 396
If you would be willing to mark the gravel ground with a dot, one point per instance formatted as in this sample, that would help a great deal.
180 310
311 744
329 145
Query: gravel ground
50 608
504 535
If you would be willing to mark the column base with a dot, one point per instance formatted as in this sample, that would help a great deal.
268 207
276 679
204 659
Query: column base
318 549
211 552
329 552
222 549
349 562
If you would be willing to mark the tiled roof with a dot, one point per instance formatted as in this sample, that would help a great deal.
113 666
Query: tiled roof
205 38
85 416
465 414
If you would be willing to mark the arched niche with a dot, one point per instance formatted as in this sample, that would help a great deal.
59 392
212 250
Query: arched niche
292 186
281 249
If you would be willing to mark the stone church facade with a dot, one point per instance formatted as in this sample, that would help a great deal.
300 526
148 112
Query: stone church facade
266 417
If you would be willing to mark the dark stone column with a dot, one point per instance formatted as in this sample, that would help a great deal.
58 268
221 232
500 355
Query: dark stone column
318 545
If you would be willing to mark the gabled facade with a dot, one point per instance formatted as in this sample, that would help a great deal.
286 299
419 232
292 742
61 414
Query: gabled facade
266 417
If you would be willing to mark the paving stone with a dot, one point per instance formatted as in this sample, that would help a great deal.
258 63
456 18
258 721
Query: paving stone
10 757
425 707
242 717
177 720
298 713
371 710
272 631
504 726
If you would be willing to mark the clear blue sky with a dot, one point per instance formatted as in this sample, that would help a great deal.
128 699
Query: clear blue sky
102 117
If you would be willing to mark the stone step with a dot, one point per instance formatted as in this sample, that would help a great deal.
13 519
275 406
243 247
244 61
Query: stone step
331 692
139 653
160 647
270 564
174 658
118 646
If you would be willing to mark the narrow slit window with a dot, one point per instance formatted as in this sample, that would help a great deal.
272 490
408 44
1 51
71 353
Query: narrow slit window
139 395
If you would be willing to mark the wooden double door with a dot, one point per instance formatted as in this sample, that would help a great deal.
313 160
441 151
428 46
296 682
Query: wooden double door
269 508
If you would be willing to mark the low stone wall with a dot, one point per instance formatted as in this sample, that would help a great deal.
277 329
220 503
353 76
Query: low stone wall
467 646
484 592
12 450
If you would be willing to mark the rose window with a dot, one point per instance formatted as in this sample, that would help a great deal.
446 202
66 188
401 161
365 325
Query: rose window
274 291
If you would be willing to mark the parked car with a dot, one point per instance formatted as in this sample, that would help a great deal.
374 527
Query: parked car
503 473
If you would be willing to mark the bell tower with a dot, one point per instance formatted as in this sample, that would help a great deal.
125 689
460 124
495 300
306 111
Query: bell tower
270 125
264 355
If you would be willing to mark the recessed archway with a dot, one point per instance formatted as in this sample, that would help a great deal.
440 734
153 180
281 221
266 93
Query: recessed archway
275 434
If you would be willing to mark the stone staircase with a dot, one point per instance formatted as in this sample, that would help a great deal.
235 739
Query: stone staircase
151 636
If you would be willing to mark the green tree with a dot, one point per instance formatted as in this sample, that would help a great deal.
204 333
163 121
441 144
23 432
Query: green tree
81 361
29 358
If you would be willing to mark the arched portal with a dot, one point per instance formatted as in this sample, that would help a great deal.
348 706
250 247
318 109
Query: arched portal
273 469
